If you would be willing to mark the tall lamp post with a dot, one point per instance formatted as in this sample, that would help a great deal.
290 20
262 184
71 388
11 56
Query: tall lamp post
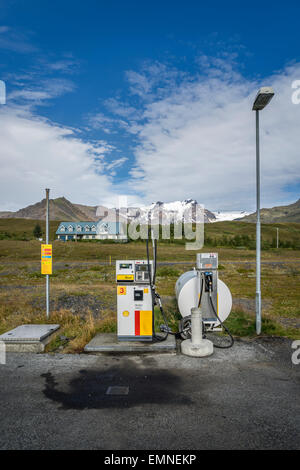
263 97
47 242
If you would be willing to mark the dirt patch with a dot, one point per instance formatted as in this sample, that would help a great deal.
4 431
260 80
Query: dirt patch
289 322
77 304
12 287
248 305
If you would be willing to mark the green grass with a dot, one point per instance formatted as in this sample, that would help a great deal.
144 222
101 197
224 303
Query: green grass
19 229
287 231
243 325
245 270
77 272
167 271
22 251
108 326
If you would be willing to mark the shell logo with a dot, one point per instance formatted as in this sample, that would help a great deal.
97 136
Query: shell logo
125 313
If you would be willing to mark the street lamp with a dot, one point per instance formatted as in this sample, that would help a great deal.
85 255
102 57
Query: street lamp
263 97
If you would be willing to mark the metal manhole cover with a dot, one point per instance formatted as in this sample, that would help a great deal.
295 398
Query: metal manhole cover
117 390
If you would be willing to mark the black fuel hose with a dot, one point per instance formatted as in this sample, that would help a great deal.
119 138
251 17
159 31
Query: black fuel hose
227 346
201 290
154 294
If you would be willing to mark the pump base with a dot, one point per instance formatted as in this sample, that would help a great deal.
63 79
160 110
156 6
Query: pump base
204 348
108 343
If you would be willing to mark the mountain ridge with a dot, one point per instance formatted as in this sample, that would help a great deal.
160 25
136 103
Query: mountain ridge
64 210
287 213
61 209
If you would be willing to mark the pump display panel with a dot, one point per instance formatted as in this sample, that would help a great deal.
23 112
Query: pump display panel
125 266
133 271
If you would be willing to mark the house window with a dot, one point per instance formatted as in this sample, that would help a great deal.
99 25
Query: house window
63 228
78 228
70 228
87 228
93 228
104 228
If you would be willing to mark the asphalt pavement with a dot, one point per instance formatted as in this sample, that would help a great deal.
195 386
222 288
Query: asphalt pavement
246 397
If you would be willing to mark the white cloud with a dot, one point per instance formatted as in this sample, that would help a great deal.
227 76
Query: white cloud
153 78
105 123
36 154
65 65
116 163
46 90
198 140
15 41
121 109
193 136
100 121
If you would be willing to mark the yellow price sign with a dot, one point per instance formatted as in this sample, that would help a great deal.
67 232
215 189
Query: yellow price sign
46 259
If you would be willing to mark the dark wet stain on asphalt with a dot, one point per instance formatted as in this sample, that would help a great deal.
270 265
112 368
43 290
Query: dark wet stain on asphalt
87 389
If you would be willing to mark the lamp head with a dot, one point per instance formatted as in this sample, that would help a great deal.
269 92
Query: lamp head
263 97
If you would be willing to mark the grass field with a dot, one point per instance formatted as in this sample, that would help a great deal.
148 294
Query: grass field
83 296
22 229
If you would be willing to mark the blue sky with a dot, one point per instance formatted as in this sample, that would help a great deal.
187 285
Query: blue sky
149 100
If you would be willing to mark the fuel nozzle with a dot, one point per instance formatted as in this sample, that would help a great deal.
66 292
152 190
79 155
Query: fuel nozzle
208 280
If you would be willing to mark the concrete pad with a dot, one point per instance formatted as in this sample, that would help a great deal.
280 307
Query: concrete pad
28 338
203 349
108 343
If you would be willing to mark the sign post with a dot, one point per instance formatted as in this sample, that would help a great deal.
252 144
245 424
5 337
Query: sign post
46 255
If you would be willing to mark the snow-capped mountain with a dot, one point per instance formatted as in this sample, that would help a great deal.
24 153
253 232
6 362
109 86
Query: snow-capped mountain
228 215
169 212
165 213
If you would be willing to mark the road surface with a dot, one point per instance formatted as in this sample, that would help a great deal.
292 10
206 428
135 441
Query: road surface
243 398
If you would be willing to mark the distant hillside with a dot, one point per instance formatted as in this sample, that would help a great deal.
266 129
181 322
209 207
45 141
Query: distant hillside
60 209
290 213
222 234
